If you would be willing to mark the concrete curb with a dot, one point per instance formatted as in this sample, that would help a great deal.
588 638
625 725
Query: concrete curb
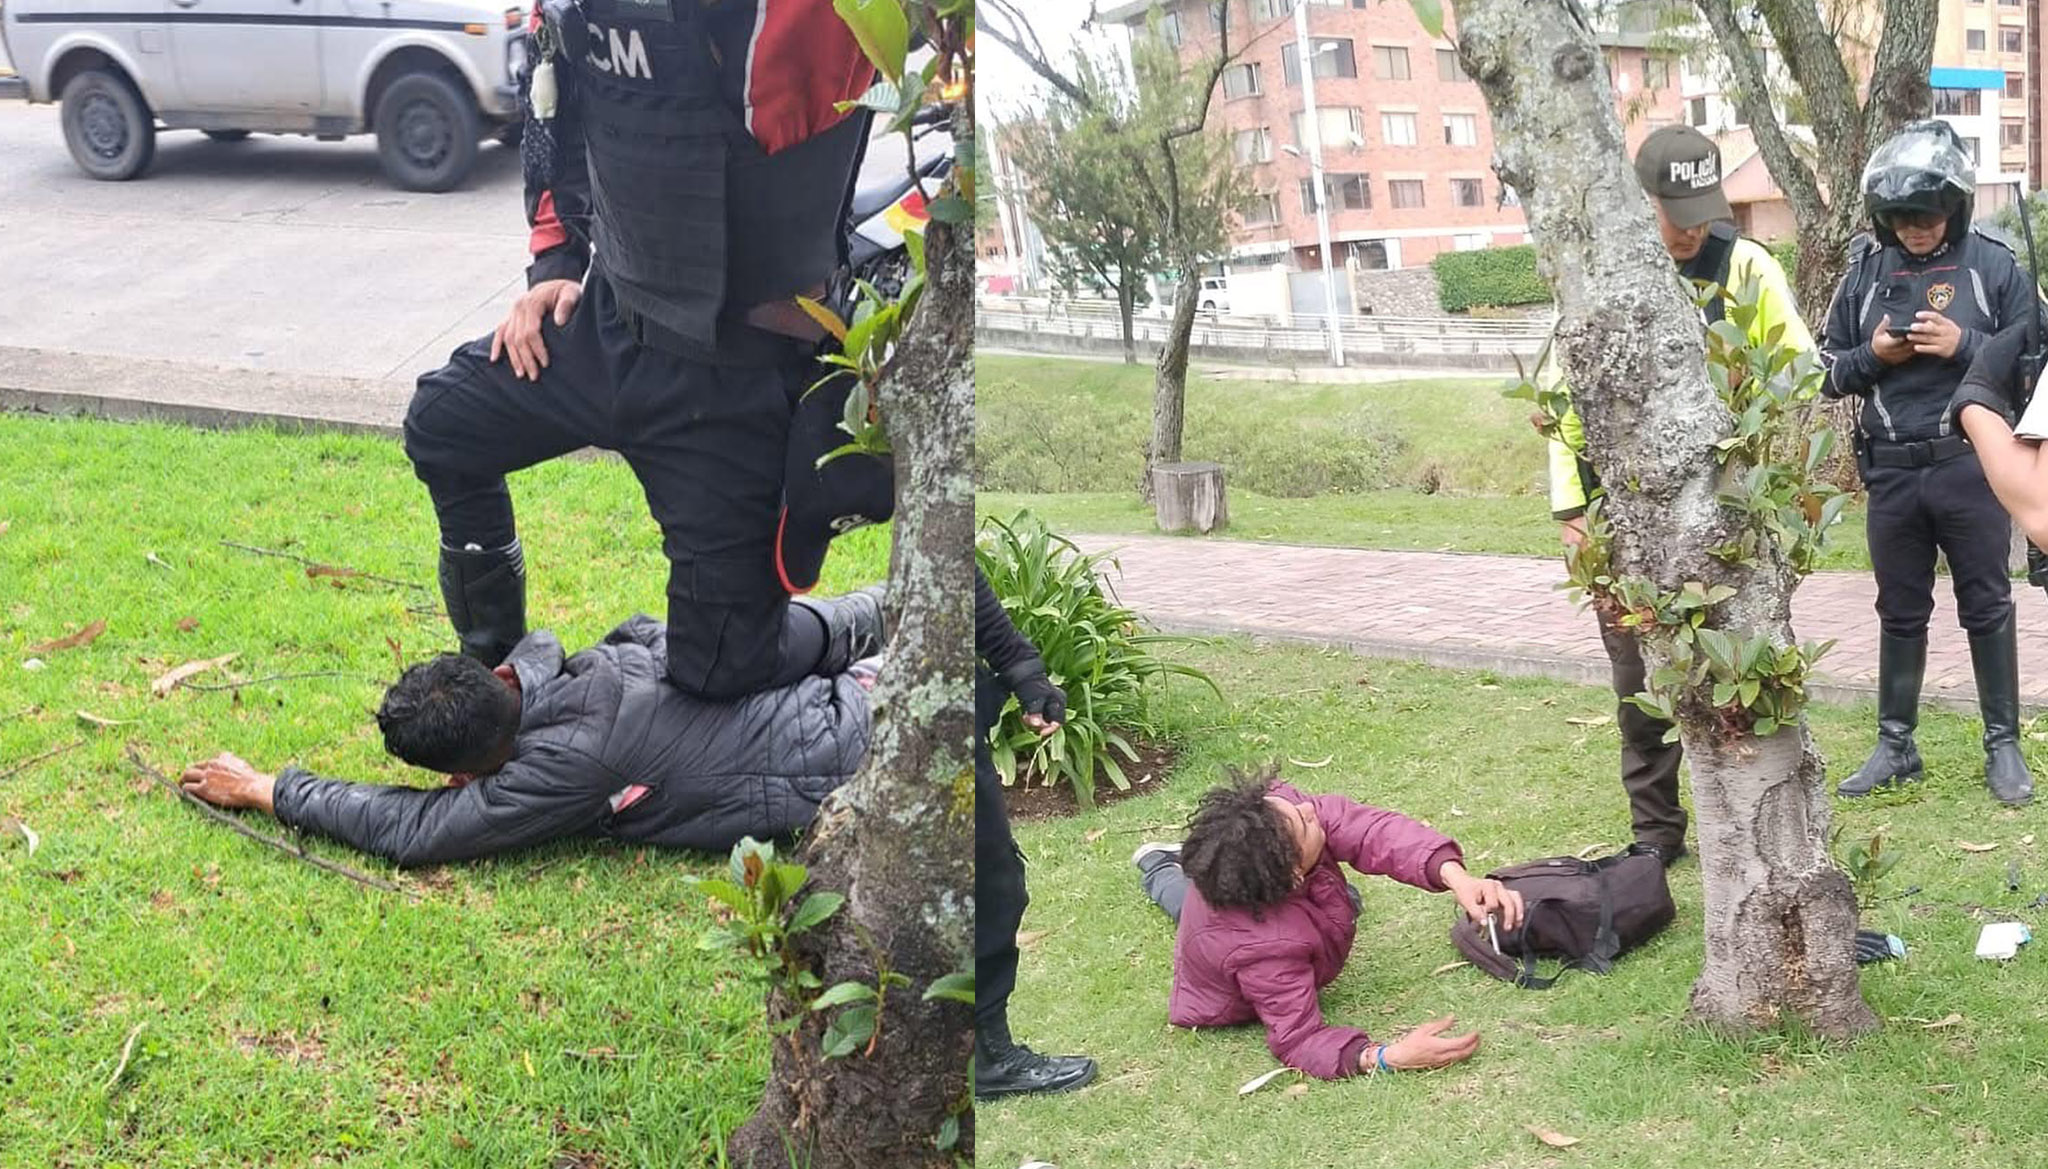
214 397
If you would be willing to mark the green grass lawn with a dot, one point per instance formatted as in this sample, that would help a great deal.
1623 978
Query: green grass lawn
1437 464
1610 1061
291 1017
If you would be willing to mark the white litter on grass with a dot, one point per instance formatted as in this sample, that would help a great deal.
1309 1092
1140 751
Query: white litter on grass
2003 939
33 664
1254 1085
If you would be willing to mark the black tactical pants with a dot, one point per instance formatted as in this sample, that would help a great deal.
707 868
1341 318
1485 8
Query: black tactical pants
1649 765
999 895
1945 506
706 441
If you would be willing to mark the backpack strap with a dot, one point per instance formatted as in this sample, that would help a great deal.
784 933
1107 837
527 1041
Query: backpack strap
1606 943
1525 973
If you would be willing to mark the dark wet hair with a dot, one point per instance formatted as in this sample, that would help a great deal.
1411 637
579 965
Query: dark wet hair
1238 852
450 715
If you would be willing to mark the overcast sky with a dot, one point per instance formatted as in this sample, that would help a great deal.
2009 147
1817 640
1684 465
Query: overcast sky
1002 81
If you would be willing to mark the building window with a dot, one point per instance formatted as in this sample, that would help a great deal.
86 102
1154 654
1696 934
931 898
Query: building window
1405 193
1169 28
1332 59
1341 127
1656 72
2012 133
1370 254
1217 10
1268 9
1461 130
1973 40
1241 81
2008 3
1252 146
1470 242
1508 197
1448 67
1957 103
1344 192
2015 86
1974 149
1467 193
1397 129
1389 63
2012 40
1696 112
1263 210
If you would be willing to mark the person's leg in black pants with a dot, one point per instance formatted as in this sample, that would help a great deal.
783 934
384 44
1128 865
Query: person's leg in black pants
472 422
1902 547
1649 765
1975 533
1004 1067
708 443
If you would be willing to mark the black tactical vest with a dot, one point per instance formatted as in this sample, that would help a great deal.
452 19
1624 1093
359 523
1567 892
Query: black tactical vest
691 220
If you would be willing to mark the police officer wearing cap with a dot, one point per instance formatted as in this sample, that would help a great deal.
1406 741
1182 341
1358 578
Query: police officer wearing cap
1923 296
1680 169
687 174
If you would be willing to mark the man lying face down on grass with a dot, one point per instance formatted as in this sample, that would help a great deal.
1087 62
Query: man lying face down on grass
1267 919
600 744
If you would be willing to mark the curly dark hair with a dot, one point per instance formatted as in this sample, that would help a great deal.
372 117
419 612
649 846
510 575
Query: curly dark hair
1237 852
450 714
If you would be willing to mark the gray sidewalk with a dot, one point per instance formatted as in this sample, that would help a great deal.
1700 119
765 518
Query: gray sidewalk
1501 613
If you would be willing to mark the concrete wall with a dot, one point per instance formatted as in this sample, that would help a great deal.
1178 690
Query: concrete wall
1399 292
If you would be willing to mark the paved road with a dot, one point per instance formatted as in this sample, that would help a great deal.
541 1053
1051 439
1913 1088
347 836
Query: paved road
278 254
1500 612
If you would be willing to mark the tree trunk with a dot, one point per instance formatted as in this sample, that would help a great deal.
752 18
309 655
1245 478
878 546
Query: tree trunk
1631 348
1125 296
1170 375
897 839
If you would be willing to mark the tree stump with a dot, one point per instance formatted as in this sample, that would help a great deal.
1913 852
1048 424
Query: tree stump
1189 495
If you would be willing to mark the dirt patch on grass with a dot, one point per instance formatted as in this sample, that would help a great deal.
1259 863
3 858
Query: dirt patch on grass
1147 775
289 1046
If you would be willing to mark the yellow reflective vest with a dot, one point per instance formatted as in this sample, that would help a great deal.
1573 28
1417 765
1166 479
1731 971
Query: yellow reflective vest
1572 481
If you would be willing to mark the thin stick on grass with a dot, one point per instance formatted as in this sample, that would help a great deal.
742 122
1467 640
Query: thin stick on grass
276 842
127 1051
575 1054
25 764
336 569
24 712
217 688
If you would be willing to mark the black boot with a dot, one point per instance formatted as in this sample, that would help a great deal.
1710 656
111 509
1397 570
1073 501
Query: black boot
1003 1068
853 627
1900 663
485 592
1995 658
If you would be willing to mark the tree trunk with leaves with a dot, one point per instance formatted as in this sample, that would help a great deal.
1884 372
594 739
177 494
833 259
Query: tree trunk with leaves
897 840
1780 918
1170 375
1126 307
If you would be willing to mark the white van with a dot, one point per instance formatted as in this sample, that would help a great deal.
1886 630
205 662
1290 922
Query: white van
429 77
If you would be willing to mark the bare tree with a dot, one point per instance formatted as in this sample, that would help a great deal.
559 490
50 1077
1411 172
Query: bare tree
1690 556
1188 197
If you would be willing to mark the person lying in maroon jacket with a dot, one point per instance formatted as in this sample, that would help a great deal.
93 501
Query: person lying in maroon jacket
1267 919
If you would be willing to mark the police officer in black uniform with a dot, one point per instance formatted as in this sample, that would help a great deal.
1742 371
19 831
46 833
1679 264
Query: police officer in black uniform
1919 302
1005 664
687 177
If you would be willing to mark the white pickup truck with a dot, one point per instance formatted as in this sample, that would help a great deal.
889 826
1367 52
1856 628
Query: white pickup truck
429 77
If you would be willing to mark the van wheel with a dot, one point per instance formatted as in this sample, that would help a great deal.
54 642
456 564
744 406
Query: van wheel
427 131
227 135
107 126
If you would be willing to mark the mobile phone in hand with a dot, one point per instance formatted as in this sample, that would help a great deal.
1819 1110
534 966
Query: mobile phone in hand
1900 332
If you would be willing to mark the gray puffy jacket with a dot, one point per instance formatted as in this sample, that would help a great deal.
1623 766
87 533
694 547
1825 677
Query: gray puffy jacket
593 725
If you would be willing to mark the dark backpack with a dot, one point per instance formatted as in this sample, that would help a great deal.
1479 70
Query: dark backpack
1587 913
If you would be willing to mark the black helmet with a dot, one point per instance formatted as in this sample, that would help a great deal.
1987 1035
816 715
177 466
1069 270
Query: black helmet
1921 169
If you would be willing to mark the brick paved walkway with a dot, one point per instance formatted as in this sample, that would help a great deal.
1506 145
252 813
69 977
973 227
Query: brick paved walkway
1500 612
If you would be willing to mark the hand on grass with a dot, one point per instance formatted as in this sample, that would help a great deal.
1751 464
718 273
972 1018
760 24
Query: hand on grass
1425 1047
225 781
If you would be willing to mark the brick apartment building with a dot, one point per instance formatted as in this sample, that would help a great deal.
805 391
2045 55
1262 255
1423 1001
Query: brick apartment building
1407 145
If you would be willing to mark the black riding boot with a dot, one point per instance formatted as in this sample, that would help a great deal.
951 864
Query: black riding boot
1900 663
1995 658
486 596
1004 1068
853 627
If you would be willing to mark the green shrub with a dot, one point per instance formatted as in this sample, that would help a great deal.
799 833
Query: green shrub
1488 276
1786 252
1093 649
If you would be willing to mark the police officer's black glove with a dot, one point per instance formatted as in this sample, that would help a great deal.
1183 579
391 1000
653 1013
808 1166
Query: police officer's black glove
1975 393
1037 695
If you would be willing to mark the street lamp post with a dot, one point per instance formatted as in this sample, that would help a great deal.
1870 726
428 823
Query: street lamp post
1306 60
